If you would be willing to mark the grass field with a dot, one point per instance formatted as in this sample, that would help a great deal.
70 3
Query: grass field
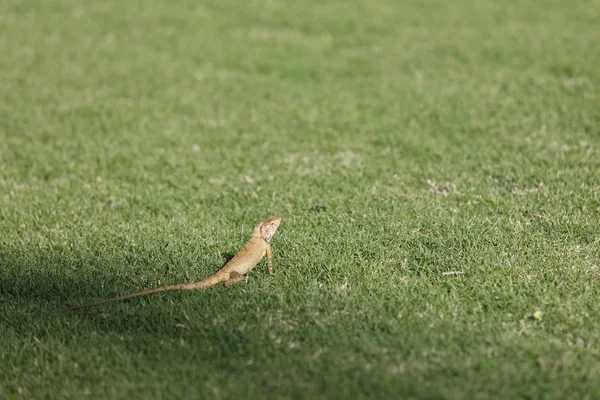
140 142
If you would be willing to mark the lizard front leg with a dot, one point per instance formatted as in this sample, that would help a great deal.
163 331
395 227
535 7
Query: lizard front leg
269 258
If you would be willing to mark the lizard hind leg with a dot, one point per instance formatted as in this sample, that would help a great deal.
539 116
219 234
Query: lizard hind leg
234 277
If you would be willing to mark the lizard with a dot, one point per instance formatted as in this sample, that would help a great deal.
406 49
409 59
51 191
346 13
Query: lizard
234 271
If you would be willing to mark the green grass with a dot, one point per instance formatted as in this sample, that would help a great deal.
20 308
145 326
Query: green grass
140 142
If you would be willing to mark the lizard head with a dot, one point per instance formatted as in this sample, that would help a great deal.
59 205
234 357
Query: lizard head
268 227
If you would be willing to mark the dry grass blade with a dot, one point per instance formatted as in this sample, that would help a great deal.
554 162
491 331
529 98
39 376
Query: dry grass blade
447 273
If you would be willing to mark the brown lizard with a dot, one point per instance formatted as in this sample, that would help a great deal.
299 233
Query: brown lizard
235 270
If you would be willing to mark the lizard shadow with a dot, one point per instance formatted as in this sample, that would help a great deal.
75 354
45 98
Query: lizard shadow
34 282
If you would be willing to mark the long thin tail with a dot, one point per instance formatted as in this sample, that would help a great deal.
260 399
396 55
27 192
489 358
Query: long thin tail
204 283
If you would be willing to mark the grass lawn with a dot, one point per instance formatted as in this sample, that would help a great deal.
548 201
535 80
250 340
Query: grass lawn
140 142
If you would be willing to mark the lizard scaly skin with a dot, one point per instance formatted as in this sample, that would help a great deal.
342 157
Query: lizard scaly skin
235 270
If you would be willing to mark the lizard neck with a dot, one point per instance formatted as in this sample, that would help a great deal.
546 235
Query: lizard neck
258 237
257 234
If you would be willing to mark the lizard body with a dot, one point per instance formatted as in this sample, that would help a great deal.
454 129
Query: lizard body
235 270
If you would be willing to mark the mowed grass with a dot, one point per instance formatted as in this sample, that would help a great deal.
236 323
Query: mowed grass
140 142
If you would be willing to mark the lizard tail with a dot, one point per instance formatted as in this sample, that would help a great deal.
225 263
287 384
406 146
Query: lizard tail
204 283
